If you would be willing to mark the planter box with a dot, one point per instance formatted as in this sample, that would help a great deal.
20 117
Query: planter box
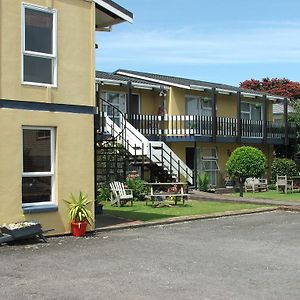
23 232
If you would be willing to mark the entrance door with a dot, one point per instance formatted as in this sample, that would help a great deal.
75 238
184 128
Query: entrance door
207 162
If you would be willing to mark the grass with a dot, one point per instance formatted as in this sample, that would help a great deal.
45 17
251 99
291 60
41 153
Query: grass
139 210
273 195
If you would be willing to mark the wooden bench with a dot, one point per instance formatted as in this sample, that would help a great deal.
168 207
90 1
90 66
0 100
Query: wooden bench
172 191
256 185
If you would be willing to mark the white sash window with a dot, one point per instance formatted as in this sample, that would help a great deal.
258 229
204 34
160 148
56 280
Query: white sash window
39 46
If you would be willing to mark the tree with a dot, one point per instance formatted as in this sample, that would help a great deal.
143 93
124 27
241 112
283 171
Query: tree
282 167
285 88
277 86
246 162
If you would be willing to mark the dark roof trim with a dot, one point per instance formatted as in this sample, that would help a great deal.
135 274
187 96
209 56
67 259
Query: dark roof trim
114 10
191 84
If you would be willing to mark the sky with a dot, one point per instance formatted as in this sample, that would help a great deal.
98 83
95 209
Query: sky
222 41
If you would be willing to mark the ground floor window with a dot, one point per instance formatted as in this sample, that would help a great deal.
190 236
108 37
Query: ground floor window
38 165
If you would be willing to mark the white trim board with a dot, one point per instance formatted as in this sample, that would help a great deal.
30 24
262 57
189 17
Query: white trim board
114 10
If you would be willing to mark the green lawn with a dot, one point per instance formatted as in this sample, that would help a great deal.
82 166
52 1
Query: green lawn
139 210
273 195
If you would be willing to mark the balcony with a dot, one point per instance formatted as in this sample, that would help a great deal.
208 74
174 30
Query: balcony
220 129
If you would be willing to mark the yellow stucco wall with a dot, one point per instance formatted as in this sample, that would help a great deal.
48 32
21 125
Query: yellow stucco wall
73 163
75 41
74 157
226 104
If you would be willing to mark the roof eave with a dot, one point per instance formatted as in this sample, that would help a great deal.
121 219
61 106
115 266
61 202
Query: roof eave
121 13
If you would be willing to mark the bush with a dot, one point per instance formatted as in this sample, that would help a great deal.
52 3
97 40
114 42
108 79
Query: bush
203 181
139 188
103 194
283 166
246 162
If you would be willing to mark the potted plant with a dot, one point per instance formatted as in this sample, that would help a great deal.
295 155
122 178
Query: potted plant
79 214
103 194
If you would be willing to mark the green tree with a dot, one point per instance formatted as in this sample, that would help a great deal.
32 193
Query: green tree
246 162
282 167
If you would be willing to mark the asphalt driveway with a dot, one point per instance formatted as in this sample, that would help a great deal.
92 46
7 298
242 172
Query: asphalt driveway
244 257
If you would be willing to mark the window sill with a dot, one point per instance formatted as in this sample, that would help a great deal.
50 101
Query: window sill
36 84
40 209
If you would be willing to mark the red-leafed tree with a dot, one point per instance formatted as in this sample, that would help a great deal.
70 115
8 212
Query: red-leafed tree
277 86
285 88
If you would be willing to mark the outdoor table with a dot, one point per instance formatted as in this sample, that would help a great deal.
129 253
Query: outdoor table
160 190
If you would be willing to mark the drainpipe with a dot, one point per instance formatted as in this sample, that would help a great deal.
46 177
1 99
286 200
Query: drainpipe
162 109
129 100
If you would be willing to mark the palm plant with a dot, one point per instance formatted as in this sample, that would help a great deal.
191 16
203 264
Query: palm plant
78 209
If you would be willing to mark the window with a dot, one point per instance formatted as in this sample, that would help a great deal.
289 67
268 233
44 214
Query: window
38 165
251 111
199 106
39 46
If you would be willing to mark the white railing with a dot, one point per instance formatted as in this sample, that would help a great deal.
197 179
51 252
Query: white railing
137 144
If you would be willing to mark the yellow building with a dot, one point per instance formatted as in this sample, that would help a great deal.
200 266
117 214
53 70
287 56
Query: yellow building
183 127
47 105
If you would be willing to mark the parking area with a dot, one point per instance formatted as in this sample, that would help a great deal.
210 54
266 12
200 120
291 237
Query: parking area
243 257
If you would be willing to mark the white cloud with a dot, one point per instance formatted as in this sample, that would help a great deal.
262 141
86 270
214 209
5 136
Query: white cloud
263 42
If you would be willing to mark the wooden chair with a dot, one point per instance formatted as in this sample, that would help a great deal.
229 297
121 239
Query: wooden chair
120 195
284 184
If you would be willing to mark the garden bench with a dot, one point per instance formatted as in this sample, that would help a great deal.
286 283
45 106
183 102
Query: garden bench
120 195
255 185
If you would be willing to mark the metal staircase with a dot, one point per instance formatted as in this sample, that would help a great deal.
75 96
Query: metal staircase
162 162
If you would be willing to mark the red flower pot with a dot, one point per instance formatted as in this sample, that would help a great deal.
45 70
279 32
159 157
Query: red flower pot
78 229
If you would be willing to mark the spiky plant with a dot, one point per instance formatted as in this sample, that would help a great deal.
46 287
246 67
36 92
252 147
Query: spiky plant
78 209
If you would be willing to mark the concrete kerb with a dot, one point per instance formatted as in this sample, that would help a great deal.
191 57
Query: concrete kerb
203 196
187 219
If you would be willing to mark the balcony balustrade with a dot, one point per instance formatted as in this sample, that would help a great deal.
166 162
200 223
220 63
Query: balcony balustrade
194 125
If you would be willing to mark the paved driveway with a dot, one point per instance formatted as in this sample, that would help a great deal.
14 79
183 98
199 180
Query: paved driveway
245 257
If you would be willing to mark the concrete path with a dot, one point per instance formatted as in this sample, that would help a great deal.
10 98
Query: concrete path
243 257
228 198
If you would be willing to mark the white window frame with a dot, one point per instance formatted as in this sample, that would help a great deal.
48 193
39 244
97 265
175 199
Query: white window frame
250 112
204 159
104 95
200 101
52 56
42 174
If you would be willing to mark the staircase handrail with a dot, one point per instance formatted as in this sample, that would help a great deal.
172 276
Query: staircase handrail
125 128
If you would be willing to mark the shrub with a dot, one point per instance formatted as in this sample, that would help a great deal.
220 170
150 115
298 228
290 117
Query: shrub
139 188
283 166
203 181
246 162
103 194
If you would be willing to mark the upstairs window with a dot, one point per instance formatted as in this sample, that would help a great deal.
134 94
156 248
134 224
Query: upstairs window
39 46
198 106
251 111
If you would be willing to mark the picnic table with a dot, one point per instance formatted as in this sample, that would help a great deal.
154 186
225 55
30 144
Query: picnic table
172 191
